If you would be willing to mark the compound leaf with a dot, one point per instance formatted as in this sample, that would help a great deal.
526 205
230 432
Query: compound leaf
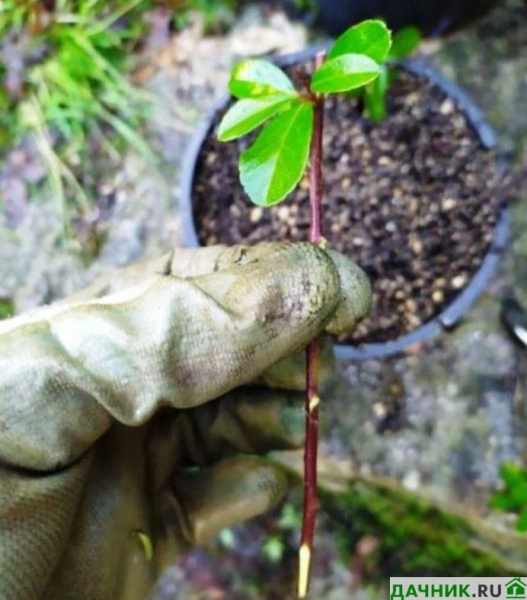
371 38
346 72
247 114
274 164
256 78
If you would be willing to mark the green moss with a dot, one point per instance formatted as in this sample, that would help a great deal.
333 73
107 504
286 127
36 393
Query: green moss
7 308
417 538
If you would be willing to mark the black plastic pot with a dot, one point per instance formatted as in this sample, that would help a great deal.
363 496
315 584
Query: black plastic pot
453 313
432 17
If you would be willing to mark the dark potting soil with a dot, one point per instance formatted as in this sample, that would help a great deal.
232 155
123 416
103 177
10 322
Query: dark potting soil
413 200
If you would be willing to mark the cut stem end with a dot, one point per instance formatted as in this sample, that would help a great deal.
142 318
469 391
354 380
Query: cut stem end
304 567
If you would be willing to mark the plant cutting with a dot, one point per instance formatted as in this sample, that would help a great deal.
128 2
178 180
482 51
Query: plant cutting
289 143
415 198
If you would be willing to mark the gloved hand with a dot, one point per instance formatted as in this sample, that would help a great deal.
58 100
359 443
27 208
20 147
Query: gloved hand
106 410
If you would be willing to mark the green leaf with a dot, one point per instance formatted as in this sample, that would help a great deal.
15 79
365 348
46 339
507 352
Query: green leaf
344 73
502 501
512 474
107 38
247 114
405 42
274 164
256 78
371 38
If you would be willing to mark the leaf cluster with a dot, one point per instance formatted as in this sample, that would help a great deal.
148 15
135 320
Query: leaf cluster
274 164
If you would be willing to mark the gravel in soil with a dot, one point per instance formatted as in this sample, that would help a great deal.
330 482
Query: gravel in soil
413 200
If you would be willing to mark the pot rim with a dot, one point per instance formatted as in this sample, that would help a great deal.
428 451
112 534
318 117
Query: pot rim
452 314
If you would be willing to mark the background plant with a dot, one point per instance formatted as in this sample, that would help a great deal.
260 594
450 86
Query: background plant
404 43
216 14
291 122
513 497
64 67
69 90
289 521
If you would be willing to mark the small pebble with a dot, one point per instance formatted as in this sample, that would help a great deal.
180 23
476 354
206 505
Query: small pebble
448 204
256 214
283 213
416 245
459 281
411 305
437 297
447 107
379 410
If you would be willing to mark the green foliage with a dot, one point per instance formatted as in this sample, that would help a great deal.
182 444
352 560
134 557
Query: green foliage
81 81
72 95
404 43
311 5
374 96
14 14
276 544
513 498
415 537
343 73
227 539
290 518
7 308
217 15
258 78
273 548
371 38
274 164
249 113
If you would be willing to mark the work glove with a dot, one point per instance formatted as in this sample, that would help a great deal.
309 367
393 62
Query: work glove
125 434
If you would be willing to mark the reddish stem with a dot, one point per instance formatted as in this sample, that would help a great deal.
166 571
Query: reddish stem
316 182
312 358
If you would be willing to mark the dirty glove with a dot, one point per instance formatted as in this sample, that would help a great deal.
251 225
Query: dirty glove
103 418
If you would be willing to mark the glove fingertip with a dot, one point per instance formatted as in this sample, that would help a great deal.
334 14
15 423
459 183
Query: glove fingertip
356 295
230 492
